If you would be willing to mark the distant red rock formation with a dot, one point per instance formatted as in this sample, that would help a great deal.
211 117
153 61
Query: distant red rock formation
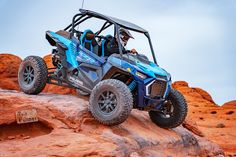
9 65
206 118
195 92
229 104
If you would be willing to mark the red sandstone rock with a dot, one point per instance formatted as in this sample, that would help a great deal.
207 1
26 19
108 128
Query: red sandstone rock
178 84
9 65
204 94
48 60
231 104
218 124
192 126
66 128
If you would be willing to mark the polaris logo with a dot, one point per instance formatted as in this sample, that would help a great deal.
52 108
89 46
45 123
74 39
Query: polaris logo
75 81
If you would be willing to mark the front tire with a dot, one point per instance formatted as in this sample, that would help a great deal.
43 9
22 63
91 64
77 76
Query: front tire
32 75
111 102
173 111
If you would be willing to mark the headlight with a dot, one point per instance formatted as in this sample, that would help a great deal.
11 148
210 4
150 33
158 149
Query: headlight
141 75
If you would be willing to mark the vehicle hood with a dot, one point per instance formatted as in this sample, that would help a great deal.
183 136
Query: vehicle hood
152 69
148 68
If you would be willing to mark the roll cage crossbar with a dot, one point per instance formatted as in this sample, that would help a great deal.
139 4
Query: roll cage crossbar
86 14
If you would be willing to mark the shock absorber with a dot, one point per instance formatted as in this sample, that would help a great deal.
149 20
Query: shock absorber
132 85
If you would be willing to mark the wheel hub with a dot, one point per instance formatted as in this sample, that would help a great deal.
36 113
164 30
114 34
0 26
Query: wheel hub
28 75
167 109
107 102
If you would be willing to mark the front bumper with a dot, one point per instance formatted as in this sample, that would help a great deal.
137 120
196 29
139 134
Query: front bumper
152 92
156 89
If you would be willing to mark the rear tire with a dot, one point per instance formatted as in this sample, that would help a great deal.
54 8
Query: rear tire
32 75
178 111
111 102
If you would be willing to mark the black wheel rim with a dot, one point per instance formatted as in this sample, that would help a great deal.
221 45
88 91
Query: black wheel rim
28 75
107 102
167 109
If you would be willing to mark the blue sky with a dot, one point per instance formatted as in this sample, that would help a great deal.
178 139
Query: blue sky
194 40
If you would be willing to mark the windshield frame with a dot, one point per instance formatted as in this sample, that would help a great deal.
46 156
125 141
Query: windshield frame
117 27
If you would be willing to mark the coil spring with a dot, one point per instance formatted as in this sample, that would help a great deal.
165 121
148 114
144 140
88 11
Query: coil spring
132 85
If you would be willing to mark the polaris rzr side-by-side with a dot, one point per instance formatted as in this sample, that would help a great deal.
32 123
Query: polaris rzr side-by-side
116 79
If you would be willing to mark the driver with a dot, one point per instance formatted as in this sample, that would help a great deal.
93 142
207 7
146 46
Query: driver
125 35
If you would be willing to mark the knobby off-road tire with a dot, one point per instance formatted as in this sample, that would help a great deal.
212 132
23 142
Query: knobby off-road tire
179 107
114 92
32 75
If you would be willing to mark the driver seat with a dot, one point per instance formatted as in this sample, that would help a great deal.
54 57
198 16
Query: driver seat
88 41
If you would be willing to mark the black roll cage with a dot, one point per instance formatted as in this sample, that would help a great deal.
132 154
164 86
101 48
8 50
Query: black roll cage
87 14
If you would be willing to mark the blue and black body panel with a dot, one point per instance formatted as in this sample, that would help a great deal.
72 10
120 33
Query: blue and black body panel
77 58
67 47
151 83
155 77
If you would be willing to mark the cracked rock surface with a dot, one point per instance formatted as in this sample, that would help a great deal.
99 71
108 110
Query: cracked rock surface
66 128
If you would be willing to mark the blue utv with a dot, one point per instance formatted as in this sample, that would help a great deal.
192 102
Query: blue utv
117 81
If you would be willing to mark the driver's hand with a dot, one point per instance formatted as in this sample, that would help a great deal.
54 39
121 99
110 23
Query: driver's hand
133 51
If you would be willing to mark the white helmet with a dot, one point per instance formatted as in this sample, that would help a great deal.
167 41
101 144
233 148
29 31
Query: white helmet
125 35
